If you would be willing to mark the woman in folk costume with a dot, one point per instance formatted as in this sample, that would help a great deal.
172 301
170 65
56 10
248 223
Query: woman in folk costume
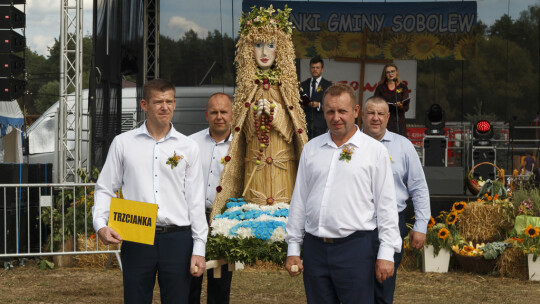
268 124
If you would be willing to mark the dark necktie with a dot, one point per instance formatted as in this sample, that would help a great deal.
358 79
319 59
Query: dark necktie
313 87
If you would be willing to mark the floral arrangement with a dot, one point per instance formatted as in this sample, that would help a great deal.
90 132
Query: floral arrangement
249 232
262 17
528 241
173 160
443 234
269 76
347 153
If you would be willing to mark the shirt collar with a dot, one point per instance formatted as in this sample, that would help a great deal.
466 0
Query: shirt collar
355 140
229 138
388 136
318 79
143 130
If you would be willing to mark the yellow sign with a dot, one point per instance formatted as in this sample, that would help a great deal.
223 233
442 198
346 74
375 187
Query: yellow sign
134 221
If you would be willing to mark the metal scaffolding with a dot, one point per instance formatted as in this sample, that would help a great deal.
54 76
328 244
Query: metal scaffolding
70 113
151 39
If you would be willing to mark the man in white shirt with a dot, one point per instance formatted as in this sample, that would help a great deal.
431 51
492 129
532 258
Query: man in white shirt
344 200
214 144
156 164
409 180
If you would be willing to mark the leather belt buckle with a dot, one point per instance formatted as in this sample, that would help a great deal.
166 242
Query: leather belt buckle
328 240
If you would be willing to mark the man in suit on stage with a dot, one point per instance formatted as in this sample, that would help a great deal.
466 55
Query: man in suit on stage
314 88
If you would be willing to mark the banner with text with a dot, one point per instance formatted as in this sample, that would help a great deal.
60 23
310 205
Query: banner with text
396 30
134 221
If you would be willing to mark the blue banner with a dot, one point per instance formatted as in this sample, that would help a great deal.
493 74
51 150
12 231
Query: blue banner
393 30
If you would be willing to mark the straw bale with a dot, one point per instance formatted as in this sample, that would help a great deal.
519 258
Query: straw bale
410 260
94 260
481 223
512 264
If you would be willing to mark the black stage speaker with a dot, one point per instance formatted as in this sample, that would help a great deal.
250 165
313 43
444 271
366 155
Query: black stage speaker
434 151
480 155
445 180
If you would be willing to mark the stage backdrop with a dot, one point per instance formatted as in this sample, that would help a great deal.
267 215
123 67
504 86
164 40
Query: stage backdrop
349 72
406 30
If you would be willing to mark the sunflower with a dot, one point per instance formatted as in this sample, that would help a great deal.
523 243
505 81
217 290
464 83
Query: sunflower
442 52
397 48
352 44
465 49
423 46
328 44
301 45
451 218
459 207
431 222
532 232
372 50
443 233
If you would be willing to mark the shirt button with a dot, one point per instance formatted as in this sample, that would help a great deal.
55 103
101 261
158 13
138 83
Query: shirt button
156 191
156 157
156 175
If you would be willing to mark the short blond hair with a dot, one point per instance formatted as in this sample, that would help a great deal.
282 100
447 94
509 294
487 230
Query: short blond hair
337 89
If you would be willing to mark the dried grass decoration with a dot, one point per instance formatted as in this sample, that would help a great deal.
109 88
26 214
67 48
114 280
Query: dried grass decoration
512 264
483 223
94 260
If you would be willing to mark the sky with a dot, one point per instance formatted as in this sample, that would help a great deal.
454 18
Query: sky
178 17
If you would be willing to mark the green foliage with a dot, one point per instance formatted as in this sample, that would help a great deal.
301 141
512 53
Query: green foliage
72 210
248 250
525 194
45 265
493 250
47 95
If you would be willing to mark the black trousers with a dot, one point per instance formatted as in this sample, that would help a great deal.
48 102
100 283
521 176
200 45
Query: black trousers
384 292
219 290
341 272
169 258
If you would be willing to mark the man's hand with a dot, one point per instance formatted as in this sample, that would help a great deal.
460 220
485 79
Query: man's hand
294 261
417 239
400 104
383 270
108 236
314 104
198 265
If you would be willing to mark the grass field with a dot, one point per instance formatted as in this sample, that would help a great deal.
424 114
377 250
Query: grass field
259 284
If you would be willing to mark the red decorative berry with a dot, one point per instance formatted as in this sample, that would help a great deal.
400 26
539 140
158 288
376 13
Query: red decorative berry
279 83
237 129
218 188
266 86
257 81
270 201
300 131
265 81
247 104
227 158
290 107
269 160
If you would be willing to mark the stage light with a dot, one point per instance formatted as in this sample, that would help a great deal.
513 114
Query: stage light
482 133
435 120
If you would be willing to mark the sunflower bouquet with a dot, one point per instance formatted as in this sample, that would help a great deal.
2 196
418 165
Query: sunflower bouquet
442 231
529 240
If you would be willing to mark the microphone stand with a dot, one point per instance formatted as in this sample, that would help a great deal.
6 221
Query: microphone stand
396 105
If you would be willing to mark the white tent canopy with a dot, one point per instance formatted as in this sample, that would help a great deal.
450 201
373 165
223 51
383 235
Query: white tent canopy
11 123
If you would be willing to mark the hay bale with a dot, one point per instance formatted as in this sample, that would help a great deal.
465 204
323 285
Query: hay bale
94 260
512 264
481 223
410 260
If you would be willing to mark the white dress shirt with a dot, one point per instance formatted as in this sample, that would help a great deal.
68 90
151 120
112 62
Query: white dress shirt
409 178
137 163
333 198
212 153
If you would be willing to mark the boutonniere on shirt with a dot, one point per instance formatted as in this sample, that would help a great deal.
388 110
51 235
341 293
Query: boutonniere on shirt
347 152
399 90
391 159
225 159
173 160
319 89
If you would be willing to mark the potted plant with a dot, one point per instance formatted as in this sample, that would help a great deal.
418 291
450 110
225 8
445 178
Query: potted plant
529 242
439 239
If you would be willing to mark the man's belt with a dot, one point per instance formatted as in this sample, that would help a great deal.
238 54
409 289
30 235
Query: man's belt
353 235
172 228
